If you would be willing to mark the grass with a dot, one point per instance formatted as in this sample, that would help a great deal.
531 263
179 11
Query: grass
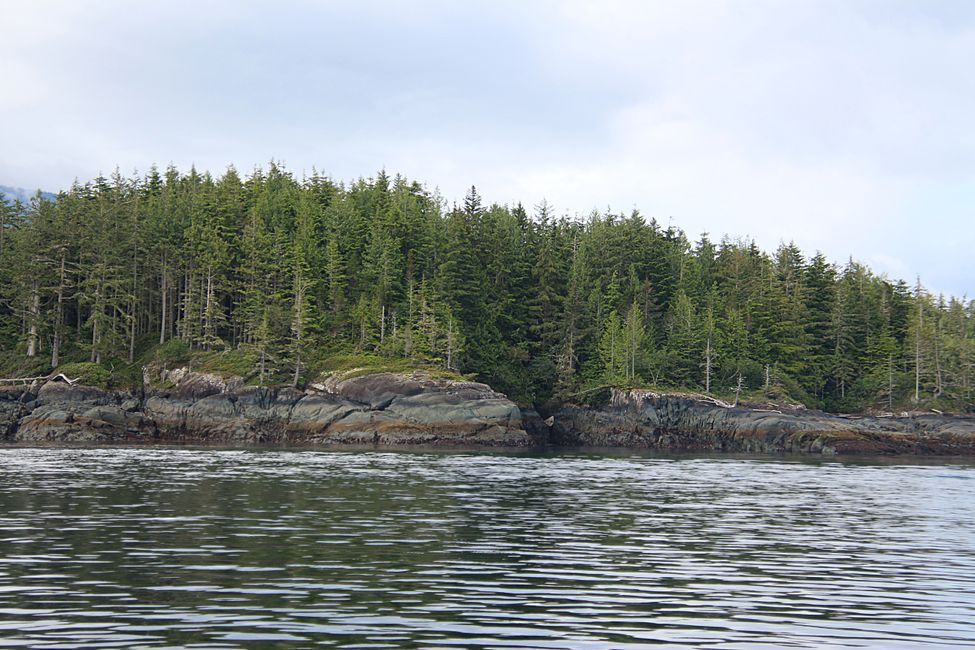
87 373
317 364
242 362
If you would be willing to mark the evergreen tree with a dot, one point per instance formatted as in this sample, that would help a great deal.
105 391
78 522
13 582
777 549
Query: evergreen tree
291 271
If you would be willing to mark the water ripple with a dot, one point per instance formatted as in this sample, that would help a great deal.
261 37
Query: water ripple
152 548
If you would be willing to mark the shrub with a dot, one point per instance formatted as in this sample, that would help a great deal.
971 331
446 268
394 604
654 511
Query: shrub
173 351
87 373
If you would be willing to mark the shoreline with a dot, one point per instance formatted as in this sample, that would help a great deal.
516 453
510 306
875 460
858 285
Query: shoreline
539 452
389 411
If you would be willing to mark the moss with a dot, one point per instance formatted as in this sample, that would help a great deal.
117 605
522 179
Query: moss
87 373
172 351
15 364
242 362
351 365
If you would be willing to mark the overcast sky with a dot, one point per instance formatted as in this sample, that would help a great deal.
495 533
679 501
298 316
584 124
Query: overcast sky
846 126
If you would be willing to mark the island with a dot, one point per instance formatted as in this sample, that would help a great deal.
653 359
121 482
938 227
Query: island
185 307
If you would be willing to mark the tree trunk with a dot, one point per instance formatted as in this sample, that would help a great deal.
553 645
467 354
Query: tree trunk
59 322
163 291
939 382
890 382
35 313
450 344
917 354
207 312
707 367
94 335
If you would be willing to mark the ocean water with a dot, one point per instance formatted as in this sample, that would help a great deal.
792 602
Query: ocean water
166 547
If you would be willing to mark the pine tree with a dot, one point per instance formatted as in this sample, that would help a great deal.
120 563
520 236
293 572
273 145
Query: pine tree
634 333
612 351
682 340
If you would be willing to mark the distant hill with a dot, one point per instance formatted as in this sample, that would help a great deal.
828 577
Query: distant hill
19 193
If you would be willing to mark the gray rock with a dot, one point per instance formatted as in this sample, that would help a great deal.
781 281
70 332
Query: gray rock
643 419
374 409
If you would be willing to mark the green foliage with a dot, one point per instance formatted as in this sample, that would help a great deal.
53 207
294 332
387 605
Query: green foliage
173 351
241 361
349 365
90 374
278 279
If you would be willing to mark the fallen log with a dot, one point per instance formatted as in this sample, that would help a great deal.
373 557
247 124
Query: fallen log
31 380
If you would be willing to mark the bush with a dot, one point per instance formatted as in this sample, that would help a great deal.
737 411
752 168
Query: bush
173 351
87 373
242 362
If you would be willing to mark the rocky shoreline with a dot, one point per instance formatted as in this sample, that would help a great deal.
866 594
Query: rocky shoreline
386 409
375 409
647 420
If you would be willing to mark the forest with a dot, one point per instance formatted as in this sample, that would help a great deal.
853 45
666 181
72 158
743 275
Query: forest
277 277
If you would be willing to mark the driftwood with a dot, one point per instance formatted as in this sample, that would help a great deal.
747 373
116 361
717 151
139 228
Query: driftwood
31 380
715 401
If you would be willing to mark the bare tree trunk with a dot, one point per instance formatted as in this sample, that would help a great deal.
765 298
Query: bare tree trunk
450 344
59 322
298 324
939 382
95 354
890 382
35 313
917 353
612 347
133 319
207 313
79 320
163 291
707 366
133 312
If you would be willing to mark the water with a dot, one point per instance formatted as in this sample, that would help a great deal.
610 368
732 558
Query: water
221 548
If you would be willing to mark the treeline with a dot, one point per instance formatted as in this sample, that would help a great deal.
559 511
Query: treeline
539 306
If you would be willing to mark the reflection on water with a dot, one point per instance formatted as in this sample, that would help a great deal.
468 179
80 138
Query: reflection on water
168 547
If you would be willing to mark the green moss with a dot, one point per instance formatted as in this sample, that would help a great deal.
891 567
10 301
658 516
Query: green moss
358 364
242 362
14 364
172 351
87 373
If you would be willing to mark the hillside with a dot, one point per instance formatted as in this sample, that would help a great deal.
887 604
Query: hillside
11 194
283 274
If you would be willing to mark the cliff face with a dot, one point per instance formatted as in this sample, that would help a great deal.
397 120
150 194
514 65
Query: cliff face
643 419
385 409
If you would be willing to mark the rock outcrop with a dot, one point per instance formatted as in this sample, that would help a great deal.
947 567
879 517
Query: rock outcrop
380 409
644 419
398 409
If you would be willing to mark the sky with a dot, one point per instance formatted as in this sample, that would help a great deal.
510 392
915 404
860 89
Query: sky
847 126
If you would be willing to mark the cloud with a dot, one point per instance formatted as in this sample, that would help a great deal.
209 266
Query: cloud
842 125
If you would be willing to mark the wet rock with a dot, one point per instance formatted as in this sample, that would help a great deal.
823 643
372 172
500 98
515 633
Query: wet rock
374 409
643 419
58 391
